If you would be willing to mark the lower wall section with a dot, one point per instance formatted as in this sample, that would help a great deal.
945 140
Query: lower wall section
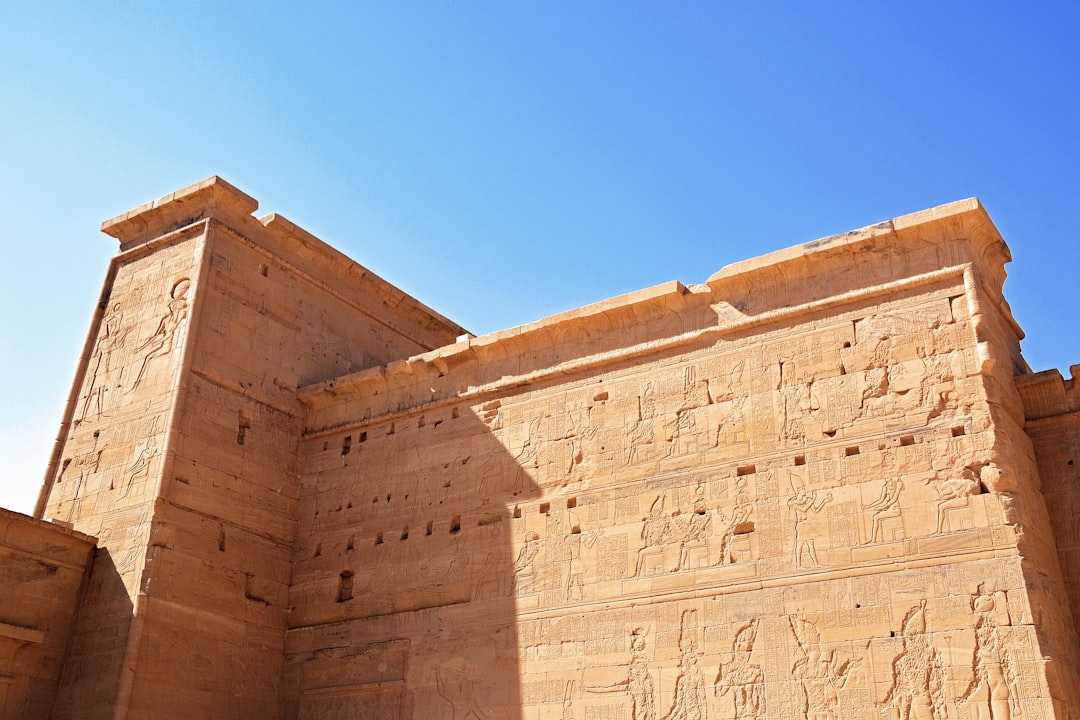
42 570
951 641
212 621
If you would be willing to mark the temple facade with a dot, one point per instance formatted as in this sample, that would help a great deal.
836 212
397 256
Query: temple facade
822 484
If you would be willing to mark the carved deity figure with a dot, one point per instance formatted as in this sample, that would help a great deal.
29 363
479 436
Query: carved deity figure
993 684
743 679
887 506
740 514
533 442
141 464
524 561
103 367
820 673
732 429
81 466
456 688
678 430
654 531
918 686
568 702
575 575
689 702
802 504
953 494
638 683
162 342
574 437
640 432
691 530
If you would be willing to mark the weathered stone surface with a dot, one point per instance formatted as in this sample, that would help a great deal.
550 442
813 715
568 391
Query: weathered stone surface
42 569
803 489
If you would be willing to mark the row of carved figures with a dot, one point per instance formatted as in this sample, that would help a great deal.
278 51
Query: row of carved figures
918 690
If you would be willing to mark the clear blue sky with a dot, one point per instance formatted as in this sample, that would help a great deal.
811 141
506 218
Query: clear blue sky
506 161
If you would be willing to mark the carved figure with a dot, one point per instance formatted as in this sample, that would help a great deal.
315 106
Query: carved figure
638 683
654 531
533 442
684 423
102 368
578 432
161 343
141 464
732 429
689 701
820 674
564 554
993 684
887 506
953 494
640 431
524 560
744 680
455 687
85 465
691 530
568 702
918 686
740 514
803 503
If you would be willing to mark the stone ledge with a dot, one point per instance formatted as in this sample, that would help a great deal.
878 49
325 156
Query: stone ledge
213 197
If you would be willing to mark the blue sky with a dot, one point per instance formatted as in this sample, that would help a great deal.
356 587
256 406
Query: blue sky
506 161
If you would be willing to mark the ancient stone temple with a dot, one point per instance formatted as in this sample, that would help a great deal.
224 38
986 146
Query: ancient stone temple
824 484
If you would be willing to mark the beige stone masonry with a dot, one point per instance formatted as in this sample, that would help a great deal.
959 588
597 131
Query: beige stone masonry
822 484
43 567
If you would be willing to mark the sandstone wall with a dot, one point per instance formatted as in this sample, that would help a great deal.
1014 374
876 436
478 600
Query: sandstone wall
180 447
800 491
42 570
1051 406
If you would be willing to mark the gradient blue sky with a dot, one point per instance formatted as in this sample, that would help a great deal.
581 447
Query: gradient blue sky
506 161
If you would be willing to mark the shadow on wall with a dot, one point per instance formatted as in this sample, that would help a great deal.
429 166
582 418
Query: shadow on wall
90 683
406 594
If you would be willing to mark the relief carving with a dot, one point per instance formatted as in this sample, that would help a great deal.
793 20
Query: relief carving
140 465
530 449
689 700
820 674
737 523
886 507
523 573
803 503
918 673
654 533
638 683
691 530
993 686
104 369
82 466
164 339
640 432
953 493
579 430
455 687
743 679
731 429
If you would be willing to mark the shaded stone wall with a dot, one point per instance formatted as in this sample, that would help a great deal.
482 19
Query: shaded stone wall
1052 409
783 494
43 567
